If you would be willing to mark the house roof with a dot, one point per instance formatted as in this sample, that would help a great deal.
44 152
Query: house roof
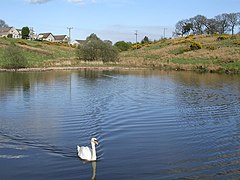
60 37
45 35
4 29
80 41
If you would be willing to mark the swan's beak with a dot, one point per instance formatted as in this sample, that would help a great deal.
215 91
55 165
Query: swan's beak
96 142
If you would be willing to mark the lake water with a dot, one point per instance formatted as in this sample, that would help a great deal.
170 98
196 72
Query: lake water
150 125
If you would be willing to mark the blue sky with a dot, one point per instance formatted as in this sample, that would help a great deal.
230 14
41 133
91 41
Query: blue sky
110 19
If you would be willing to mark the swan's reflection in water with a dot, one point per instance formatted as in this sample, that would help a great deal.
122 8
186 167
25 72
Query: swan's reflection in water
94 167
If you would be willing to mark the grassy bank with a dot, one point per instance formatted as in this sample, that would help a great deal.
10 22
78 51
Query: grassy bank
41 54
196 53
199 53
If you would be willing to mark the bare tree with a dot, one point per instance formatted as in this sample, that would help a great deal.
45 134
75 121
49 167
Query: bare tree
182 27
3 24
211 26
233 21
198 24
222 23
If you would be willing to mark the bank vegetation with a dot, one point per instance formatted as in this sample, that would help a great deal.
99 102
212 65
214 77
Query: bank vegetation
205 53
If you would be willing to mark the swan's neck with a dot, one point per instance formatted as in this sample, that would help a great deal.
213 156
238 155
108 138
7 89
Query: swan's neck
94 156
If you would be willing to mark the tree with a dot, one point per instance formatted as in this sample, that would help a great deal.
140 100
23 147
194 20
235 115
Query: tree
222 23
182 27
108 42
122 45
187 27
198 24
3 24
211 26
92 37
94 49
145 40
25 32
233 20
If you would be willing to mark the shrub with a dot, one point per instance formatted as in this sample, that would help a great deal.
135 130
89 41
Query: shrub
10 36
25 32
189 36
136 46
21 42
233 37
97 50
195 45
13 58
122 46
237 43
224 37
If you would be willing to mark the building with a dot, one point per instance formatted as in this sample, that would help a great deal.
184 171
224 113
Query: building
61 38
46 37
77 43
10 32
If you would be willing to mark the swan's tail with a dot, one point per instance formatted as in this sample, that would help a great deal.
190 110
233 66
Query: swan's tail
78 148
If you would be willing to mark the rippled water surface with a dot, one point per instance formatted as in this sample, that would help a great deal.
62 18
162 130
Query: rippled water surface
150 125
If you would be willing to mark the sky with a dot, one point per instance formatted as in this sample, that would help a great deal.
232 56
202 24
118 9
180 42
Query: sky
114 20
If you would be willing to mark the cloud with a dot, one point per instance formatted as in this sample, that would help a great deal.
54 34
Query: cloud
38 1
82 1
76 1
79 1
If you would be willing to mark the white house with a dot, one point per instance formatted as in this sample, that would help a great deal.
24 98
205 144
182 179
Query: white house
61 38
77 43
46 37
9 32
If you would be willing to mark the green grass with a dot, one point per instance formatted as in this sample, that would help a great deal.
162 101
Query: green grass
158 45
191 61
36 52
179 50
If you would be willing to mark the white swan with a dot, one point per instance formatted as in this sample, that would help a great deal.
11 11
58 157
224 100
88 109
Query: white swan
85 153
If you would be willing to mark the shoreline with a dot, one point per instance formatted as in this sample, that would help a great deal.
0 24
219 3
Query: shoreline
69 68
75 68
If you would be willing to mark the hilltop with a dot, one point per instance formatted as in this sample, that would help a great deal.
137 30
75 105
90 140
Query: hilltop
205 53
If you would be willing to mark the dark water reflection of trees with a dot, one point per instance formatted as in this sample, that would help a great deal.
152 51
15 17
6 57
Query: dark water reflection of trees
25 81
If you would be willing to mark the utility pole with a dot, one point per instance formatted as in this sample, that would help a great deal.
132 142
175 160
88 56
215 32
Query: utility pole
136 34
31 33
164 32
69 32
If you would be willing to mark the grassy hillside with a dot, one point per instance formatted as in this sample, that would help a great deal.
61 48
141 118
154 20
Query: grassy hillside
199 53
42 54
202 53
